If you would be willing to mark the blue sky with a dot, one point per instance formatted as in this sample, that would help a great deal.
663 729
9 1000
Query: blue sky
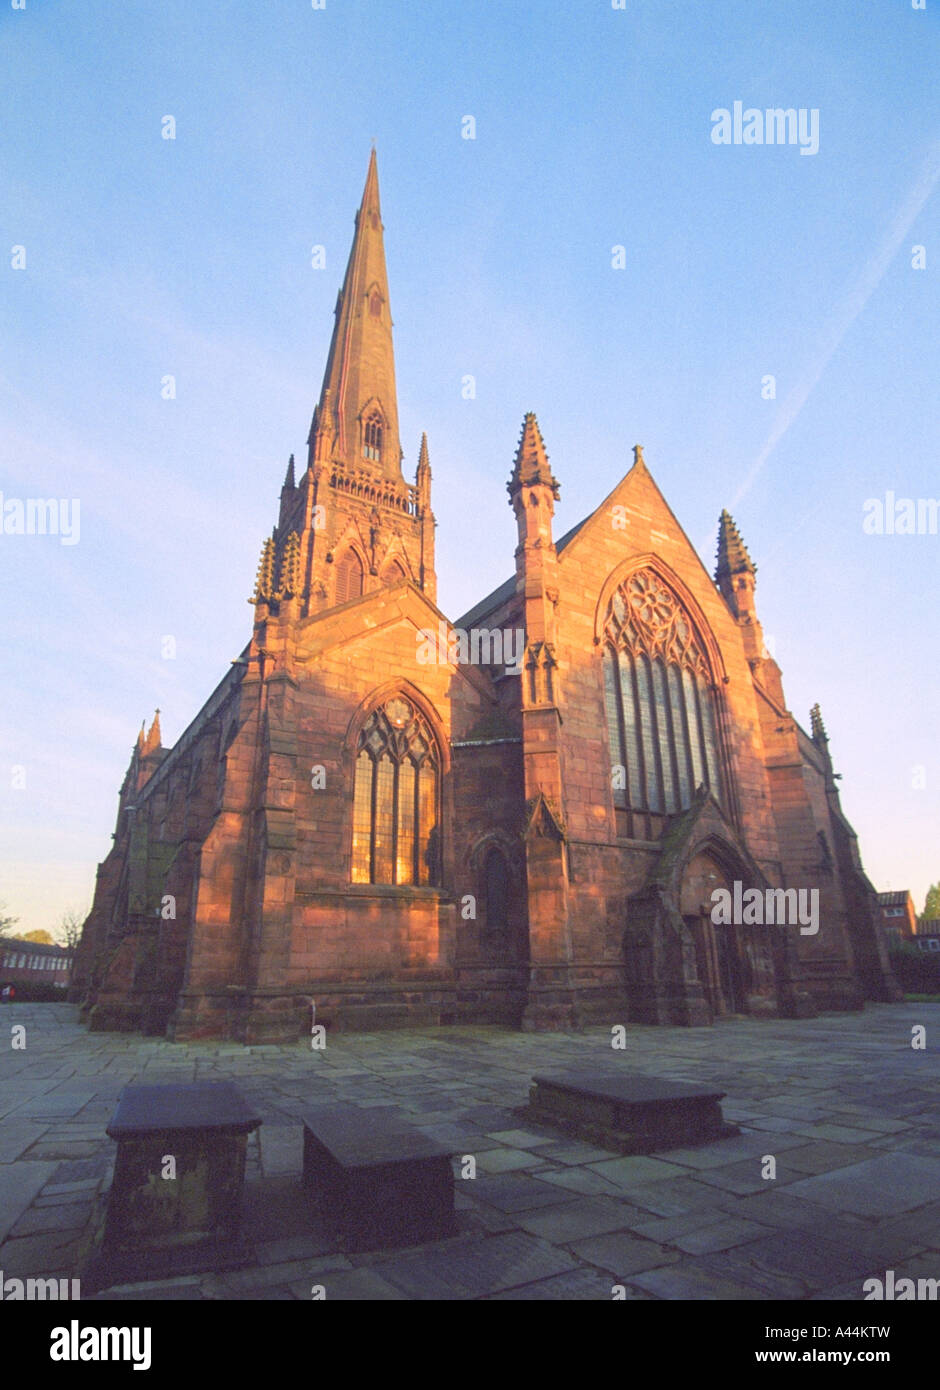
191 257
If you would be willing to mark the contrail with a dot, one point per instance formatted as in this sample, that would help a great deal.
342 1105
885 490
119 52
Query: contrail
848 311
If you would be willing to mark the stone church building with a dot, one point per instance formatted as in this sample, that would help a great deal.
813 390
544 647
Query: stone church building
379 818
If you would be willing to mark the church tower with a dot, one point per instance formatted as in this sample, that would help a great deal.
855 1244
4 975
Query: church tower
351 523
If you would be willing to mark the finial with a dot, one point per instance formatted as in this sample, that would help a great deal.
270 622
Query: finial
530 466
732 557
153 739
638 455
817 725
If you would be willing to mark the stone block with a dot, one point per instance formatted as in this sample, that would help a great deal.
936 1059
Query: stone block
627 1111
203 1127
375 1176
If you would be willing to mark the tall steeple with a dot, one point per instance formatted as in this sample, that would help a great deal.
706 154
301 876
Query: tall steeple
351 523
356 420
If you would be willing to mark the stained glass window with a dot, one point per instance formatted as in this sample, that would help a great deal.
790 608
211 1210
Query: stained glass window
659 702
396 800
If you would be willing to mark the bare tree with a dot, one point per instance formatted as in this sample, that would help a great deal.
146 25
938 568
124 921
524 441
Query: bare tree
6 923
70 926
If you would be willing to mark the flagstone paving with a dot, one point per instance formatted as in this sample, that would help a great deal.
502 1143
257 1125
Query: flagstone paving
842 1104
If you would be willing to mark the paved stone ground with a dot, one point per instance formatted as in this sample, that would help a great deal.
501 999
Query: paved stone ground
845 1105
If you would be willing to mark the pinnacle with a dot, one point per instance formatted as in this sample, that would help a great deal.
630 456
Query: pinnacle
817 725
289 479
153 740
531 461
732 555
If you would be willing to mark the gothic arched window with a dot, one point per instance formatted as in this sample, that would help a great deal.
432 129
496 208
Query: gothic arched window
349 575
396 810
660 706
372 438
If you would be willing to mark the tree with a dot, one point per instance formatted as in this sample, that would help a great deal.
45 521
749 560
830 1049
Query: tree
41 936
70 926
931 903
6 923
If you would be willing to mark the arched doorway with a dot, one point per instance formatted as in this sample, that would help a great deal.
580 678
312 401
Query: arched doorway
721 954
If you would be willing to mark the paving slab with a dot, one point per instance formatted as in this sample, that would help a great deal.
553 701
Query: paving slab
675 1197
44 1255
17 1136
623 1254
20 1183
521 1138
688 1281
825 1157
515 1193
582 1181
504 1160
69 1216
635 1170
346 1286
590 1216
472 1269
55 1105
882 1186
580 1285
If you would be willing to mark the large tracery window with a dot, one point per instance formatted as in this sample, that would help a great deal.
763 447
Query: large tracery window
660 707
396 811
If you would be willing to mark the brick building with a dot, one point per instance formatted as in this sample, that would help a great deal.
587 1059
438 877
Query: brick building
522 818
33 963
898 917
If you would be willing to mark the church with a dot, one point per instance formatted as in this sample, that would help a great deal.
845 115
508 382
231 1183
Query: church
382 818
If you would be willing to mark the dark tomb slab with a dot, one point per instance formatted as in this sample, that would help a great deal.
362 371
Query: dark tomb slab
156 1225
627 1111
377 1180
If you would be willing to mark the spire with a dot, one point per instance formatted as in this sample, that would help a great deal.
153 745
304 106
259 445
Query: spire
423 473
530 467
732 553
289 479
139 746
153 741
358 403
818 727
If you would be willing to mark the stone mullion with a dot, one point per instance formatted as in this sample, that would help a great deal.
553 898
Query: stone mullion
416 825
701 728
687 726
654 732
673 746
372 823
621 726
